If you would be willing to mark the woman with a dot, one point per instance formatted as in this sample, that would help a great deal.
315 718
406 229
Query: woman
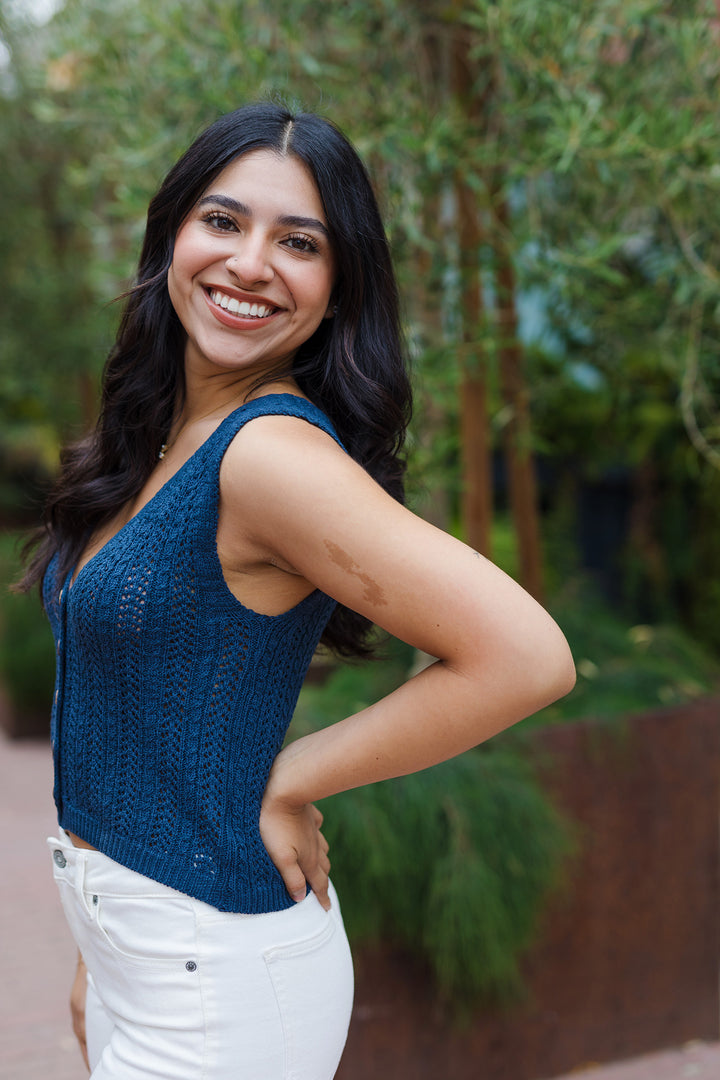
241 498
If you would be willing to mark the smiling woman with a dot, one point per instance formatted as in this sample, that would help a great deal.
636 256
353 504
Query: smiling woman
240 500
241 264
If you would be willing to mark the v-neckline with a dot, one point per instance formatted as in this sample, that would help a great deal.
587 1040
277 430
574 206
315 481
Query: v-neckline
74 573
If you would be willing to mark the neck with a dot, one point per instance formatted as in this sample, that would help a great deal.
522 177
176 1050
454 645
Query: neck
217 397
201 411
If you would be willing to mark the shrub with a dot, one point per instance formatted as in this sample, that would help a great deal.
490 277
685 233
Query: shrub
455 862
27 657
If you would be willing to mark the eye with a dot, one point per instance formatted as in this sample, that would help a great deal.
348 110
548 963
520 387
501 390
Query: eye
218 220
301 242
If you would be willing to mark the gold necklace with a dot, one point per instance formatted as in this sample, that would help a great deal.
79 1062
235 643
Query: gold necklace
169 445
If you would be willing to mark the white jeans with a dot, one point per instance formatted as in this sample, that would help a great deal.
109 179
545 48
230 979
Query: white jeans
178 990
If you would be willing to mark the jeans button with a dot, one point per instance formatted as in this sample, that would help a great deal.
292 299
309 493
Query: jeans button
59 858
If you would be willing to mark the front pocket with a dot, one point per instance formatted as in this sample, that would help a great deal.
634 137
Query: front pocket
159 929
142 955
313 984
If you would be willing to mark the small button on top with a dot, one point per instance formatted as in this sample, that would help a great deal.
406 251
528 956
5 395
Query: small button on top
191 966
59 858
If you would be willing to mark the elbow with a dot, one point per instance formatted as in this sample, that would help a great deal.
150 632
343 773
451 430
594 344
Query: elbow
565 674
556 673
541 669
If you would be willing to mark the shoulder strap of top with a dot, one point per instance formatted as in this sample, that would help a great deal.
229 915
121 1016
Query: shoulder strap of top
206 468
272 405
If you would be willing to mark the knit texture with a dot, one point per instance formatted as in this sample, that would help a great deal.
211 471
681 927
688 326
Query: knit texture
173 698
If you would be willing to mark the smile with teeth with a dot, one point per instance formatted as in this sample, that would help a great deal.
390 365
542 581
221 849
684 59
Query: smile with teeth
241 307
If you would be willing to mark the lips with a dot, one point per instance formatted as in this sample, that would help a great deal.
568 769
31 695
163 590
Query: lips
238 312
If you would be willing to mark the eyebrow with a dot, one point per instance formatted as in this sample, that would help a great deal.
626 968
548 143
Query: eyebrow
290 220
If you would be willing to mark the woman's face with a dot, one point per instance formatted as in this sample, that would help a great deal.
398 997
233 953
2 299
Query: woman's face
253 271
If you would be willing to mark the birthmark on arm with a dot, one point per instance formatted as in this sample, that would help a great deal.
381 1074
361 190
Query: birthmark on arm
372 591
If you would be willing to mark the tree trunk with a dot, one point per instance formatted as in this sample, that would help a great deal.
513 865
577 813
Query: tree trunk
476 439
518 433
477 504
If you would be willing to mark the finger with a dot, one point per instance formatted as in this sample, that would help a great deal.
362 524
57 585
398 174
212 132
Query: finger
295 882
318 818
321 891
319 884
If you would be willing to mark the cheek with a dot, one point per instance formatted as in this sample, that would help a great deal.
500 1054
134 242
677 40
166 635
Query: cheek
318 293
185 264
189 257
178 271
179 287
172 288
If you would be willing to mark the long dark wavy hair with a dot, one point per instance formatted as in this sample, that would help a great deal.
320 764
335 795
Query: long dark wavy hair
352 367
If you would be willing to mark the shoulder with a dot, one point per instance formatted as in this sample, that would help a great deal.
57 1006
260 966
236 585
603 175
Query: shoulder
278 411
283 449
283 475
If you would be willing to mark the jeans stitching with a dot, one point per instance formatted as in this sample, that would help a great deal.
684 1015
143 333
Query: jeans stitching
273 958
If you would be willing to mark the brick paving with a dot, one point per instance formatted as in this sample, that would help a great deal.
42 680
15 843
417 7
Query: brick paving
695 1061
36 1042
35 1038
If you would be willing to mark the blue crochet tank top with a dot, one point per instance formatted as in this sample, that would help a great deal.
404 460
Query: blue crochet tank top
172 699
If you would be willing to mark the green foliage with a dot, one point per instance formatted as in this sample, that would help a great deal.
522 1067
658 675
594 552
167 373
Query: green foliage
594 428
27 656
456 862
624 668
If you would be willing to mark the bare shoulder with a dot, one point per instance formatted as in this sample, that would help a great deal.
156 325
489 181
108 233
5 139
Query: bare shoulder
284 453
284 478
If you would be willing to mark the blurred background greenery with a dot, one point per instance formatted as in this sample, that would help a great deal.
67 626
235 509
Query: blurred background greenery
549 174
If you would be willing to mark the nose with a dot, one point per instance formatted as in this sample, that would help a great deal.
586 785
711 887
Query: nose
250 261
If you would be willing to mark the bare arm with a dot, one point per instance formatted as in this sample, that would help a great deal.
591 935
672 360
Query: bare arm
500 655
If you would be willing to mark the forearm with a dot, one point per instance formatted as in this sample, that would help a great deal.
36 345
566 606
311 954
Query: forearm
434 716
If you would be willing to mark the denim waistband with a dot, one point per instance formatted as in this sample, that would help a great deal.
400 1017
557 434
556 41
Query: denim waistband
94 872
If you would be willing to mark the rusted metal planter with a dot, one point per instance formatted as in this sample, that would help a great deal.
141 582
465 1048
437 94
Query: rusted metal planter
628 958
